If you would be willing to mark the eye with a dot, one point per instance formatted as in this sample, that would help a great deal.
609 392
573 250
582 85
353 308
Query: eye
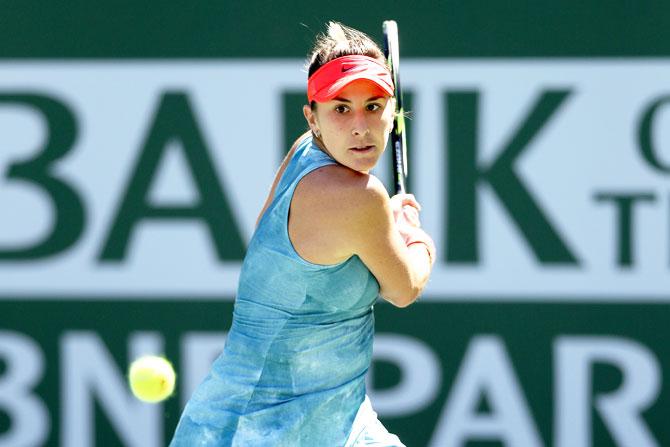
341 108
373 107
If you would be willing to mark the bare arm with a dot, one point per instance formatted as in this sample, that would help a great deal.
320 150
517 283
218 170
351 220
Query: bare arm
395 255
358 216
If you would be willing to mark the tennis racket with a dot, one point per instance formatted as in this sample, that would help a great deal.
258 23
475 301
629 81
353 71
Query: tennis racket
398 135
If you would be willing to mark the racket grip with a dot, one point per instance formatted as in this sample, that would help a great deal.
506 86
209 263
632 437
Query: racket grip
398 169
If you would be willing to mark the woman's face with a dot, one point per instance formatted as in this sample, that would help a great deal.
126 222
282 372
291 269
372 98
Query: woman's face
354 126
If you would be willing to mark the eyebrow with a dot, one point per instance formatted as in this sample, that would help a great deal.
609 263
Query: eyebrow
374 98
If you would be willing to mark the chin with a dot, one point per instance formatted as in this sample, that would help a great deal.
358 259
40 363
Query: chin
364 167
362 163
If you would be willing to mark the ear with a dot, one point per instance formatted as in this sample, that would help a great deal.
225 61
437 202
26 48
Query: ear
310 116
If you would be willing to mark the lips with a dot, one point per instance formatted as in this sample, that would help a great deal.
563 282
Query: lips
362 148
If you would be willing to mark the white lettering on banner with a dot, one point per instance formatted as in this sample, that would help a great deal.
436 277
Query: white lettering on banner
24 369
88 372
421 375
599 138
486 371
621 410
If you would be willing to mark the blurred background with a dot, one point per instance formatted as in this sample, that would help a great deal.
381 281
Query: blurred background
138 141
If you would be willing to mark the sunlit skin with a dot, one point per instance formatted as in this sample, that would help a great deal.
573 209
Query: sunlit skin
355 125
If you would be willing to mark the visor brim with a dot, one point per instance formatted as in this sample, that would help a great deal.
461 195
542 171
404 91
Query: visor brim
335 88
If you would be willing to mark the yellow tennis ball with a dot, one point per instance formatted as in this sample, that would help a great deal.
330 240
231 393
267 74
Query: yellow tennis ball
151 378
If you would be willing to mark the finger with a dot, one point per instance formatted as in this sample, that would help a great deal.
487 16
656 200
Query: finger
411 200
411 208
412 216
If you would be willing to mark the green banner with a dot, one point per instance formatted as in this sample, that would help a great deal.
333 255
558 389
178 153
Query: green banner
270 29
503 374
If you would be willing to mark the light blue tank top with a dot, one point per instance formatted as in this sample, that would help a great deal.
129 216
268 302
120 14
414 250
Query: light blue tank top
293 369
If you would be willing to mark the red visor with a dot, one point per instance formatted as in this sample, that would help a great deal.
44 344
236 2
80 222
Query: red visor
327 81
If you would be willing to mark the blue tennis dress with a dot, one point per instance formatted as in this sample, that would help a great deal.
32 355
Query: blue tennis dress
293 367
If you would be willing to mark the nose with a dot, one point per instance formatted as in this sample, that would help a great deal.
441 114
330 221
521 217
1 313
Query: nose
357 132
360 126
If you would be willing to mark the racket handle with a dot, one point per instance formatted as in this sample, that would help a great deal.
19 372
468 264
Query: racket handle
398 168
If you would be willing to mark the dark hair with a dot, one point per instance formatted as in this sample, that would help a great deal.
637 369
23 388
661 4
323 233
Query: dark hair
340 40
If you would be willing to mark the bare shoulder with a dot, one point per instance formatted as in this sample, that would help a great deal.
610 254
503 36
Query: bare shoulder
343 204
342 193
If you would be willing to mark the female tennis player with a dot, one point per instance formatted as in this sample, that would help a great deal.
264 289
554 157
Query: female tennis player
328 242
